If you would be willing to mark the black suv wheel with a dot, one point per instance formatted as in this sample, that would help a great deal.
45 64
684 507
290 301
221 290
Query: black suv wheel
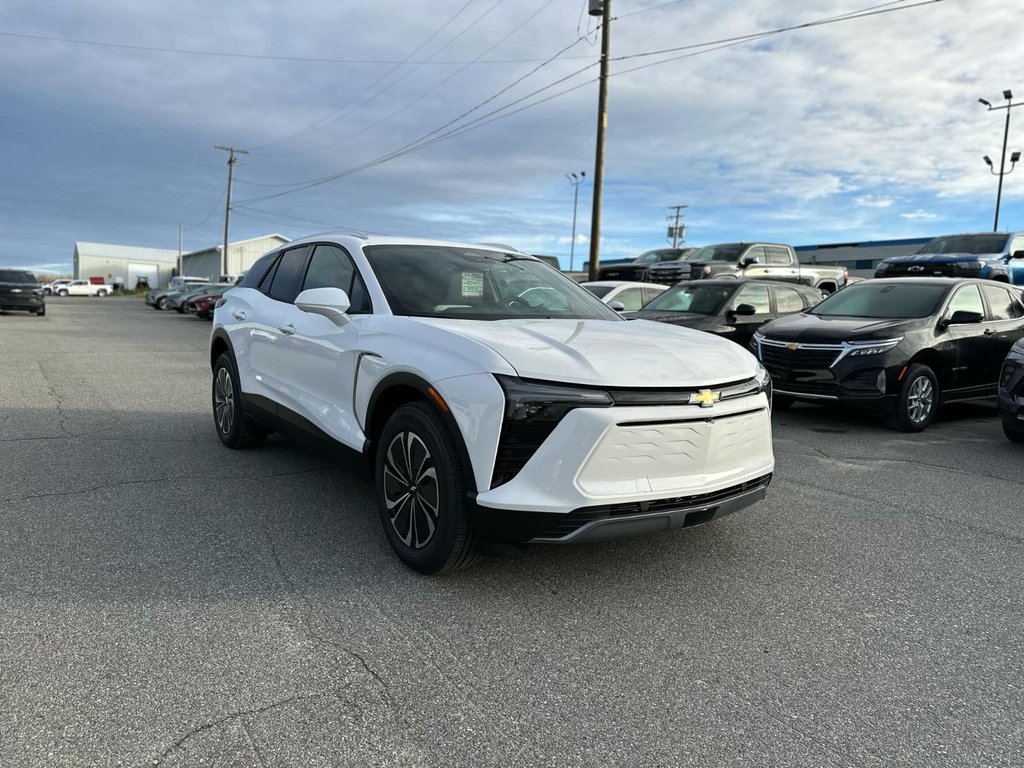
422 492
917 402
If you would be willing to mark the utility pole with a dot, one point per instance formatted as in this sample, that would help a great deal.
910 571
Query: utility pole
600 8
181 266
575 180
675 232
232 151
1008 95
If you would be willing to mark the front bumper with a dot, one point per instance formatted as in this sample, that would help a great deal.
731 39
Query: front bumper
1010 397
639 457
619 521
29 302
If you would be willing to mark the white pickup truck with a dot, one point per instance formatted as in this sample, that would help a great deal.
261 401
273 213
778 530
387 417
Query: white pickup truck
85 288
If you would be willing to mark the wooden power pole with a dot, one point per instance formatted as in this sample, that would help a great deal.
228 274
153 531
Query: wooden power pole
232 151
602 8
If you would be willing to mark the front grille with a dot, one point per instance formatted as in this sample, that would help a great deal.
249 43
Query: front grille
927 270
576 519
627 272
799 359
668 275
808 387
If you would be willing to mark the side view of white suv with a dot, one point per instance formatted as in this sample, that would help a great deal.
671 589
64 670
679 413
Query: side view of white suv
492 396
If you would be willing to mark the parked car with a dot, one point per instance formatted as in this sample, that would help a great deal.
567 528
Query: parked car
1011 393
674 270
733 309
491 395
176 301
51 288
902 346
763 260
201 303
988 255
636 270
85 288
623 296
19 290
178 282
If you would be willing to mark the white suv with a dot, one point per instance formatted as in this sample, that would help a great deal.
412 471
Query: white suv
492 396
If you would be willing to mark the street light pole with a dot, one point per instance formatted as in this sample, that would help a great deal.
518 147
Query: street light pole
575 180
1008 95
600 8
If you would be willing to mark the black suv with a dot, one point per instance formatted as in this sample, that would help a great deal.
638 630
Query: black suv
20 290
636 270
1011 393
903 346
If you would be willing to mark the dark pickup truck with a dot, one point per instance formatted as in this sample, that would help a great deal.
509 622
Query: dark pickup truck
988 255
749 260
636 270
20 290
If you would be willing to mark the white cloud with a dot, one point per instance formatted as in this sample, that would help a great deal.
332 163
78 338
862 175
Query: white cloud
919 215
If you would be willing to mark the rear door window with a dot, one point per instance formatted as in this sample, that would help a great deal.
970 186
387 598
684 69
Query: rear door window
258 271
1002 304
787 300
756 252
288 274
778 256
756 296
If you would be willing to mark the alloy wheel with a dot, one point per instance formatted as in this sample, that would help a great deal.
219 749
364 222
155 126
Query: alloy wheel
920 399
224 401
411 492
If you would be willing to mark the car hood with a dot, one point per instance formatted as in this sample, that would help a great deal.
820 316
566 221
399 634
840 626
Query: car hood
689 319
608 353
941 258
825 330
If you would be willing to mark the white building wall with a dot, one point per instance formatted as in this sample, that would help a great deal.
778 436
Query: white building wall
241 256
122 264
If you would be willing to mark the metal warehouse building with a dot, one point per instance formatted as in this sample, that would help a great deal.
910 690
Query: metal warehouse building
123 265
241 255
858 258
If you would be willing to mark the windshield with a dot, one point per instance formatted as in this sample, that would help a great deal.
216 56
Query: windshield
883 300
17 276
474 284
599 290
976 244
727 252
660 254
702 299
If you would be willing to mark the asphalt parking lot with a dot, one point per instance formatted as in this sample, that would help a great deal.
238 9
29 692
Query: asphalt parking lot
166 601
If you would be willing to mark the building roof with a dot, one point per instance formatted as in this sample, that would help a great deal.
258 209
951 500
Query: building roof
216 248
126 252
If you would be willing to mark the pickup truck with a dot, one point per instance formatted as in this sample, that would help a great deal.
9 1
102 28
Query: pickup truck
20 290
85 288
771 261
636 271
988 255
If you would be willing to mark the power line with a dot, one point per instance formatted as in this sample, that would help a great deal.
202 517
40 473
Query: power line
426 93
646 10
433 137
343 110
254 56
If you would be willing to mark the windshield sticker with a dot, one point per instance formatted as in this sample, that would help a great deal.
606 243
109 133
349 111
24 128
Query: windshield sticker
472 284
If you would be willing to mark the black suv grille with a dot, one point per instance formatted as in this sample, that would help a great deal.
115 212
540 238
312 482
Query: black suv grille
799 359
669 274
926 270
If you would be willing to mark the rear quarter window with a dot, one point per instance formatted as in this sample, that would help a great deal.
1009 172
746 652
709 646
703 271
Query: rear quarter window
258 271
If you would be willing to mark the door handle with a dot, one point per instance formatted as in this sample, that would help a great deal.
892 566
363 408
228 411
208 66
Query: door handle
239 315
989 332
287 330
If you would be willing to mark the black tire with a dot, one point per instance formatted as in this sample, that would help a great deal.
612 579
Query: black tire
163 304
1013 434
234 428
781 402
41 312
918 400
416 435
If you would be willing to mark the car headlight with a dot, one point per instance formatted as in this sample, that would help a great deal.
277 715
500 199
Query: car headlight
864 349
764 382
541 402
972 266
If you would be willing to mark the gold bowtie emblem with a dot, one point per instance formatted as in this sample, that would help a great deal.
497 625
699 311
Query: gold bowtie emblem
705 398
793 347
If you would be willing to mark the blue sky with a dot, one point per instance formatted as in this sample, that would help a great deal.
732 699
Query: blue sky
868 129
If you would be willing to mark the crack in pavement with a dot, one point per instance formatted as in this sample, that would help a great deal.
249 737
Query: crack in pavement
243 713
103 486
58 399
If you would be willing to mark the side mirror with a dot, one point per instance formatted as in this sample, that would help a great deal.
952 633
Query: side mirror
748 261
745 309
332 303
963 317
1017 255
618 306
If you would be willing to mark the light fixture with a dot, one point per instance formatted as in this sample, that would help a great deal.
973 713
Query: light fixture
988 161
1007 95
986 102
1015 157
